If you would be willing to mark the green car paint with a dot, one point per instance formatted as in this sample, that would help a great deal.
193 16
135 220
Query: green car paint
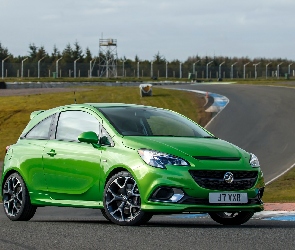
145 159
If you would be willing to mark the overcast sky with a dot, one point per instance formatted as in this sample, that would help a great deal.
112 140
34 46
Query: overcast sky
176 29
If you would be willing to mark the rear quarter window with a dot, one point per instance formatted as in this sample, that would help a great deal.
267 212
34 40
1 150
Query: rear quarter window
41 130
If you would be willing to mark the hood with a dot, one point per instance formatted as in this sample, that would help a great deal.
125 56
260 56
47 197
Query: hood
185 146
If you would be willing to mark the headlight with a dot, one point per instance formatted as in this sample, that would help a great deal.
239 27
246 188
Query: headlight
254 161
159 159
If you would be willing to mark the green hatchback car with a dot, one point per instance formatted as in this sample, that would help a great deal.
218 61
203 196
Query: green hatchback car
131 162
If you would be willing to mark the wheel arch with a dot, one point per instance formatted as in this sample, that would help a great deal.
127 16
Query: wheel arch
7 174
113 172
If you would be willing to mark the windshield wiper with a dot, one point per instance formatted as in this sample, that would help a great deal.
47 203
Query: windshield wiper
210 137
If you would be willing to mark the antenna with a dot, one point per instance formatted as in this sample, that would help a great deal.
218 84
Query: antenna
75 97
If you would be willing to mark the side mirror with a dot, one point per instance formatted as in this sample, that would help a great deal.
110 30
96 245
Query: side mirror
89 137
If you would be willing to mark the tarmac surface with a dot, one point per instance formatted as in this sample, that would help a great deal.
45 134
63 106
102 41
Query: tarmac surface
252 120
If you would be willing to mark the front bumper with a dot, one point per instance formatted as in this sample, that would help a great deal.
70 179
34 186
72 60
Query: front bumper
195 198
180 208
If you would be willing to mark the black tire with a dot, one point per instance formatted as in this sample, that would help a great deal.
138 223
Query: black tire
103 212
231 218
122 202
16 200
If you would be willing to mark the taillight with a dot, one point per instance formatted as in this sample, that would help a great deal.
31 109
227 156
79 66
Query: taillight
7 148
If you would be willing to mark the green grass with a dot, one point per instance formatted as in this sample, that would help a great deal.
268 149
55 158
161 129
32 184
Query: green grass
282 189
15 110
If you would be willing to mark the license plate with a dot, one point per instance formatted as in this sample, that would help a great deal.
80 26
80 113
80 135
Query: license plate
228 198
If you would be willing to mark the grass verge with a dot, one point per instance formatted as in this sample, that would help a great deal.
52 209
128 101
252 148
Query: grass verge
282 189
15 110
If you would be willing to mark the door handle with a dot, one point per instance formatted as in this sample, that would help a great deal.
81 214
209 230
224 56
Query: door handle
51 153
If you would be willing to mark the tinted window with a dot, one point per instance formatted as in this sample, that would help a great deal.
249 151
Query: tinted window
41 130
151 122
72 123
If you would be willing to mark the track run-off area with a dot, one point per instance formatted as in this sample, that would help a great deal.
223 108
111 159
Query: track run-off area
259 119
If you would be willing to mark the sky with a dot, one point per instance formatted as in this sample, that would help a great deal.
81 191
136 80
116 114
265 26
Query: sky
175 29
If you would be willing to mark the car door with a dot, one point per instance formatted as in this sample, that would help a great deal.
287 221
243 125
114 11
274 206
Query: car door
72 168
29 150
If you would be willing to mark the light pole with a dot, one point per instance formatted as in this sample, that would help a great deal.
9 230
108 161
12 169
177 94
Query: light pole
245 69
22 72
75 66
232 70
220 69
166 69
289 69
255 64
207 66
180 72
3 66
123 67
194 66
266 69
152 73
138 69
56 67
90 69
278 70
39 66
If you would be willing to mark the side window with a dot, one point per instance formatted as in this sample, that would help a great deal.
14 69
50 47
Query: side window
72 123
41 130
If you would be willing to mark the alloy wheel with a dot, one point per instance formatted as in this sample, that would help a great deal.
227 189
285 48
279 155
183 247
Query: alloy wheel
123 199
12 196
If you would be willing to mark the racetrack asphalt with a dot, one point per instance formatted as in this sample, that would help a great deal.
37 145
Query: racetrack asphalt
259 119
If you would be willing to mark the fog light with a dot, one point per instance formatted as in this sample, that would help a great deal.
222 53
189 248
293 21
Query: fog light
167 194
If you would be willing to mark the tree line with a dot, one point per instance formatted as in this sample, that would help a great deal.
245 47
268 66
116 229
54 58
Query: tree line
202 67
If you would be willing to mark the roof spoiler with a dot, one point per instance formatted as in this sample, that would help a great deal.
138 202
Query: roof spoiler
33 114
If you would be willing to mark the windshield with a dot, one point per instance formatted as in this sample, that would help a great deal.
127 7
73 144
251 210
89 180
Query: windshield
148 121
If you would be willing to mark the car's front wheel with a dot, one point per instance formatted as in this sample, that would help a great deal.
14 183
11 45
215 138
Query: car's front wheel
16 199
231 218
122 202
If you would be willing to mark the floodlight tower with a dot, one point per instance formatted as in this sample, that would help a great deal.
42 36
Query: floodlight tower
108 57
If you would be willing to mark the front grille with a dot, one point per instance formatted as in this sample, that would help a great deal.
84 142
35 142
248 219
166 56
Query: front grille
213 180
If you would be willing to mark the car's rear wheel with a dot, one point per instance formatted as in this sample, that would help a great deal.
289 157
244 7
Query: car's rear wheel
122 202
231 218
16 199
